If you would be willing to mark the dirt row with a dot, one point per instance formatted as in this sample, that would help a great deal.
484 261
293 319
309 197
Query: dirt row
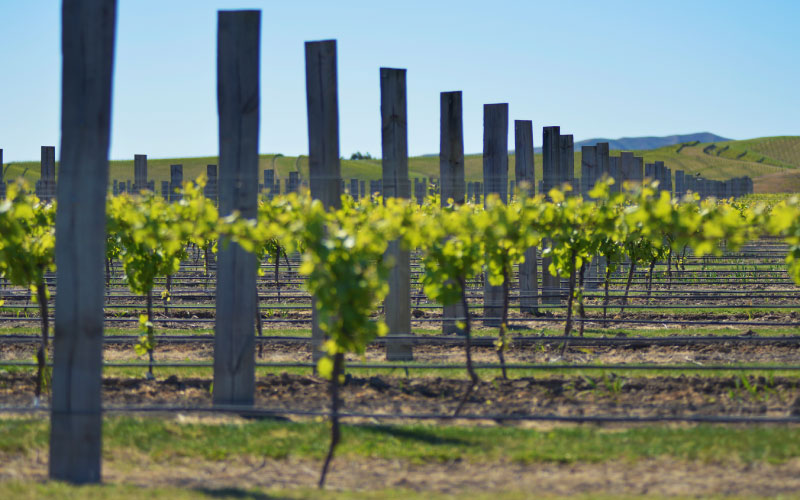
604 395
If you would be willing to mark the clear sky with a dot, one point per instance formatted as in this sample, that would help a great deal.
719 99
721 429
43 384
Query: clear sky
596 68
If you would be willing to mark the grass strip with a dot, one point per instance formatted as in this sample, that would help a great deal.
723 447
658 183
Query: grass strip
162 440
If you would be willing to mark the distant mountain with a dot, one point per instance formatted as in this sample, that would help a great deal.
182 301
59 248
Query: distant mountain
646 143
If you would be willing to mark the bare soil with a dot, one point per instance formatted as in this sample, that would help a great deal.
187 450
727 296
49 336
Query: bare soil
547 395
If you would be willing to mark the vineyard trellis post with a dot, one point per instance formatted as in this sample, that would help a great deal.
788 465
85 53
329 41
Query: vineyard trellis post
175 181
139 173
239 34
588 169
495 178
590 173
551 156
680 186
211 189
47 177
566 161
526 180
602 168
323 143
87 39
394 147
615 172
2 177
628 168
451 173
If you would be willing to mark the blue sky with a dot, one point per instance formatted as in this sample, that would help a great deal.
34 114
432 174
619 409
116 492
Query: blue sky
596 68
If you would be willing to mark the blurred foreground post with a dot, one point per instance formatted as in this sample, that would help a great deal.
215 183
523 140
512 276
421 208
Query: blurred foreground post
238 40
87 40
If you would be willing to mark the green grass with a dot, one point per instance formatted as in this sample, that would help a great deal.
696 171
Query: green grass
163 440
447 372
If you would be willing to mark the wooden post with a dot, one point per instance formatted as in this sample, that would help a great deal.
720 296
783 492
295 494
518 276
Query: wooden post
589 176
451 147
639 168
175 181
394 145
354 189
139 173
451 172
680 186
615 172
524 173
629 168
87 43
48 173
551 159
238 39
212 184
566 162
2 177
323 142
588 169
495 178
269 181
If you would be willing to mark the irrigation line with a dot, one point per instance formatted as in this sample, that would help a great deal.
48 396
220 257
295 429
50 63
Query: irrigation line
715 322
250 411
455 366
482 341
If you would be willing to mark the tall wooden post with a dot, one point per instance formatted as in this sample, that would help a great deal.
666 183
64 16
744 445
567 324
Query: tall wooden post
238 38
175 181
87 43
680 186
139 173
588 169
615 172
551 160
47 175
451 173
323 142
639 168
566 162
629 170
589 176
211 190
451 147
2 177
394 144
495 178
602 152
524 173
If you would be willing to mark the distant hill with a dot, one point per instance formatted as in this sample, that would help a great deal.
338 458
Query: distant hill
648 143
772 162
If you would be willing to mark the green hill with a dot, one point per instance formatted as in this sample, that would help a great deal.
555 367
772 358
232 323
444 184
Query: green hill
772 162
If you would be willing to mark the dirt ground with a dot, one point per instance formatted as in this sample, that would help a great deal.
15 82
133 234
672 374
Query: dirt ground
547 395
658 477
